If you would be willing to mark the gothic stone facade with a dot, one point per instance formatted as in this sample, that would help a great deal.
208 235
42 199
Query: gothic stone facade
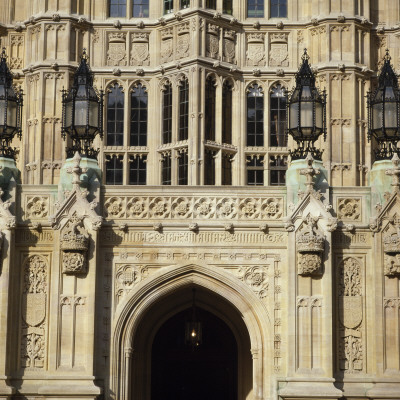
309 282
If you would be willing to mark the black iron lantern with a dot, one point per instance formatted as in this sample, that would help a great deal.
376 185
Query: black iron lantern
82 112
383 112
306 112
10 109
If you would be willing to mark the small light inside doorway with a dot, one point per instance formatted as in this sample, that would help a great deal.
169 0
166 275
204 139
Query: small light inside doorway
193 334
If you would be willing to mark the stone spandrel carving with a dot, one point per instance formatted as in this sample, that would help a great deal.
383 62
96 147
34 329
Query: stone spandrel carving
350 307
34 305
255 53
140 49
74 244
310 244
116 53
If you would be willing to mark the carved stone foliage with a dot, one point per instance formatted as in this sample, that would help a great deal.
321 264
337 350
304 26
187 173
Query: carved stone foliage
167 46
37 207
349 209
140 49
116 52
127 276
184 207
391 247
310 246
256 278
278 54
255 53
350 311
74 244
212 41
34 306
229 53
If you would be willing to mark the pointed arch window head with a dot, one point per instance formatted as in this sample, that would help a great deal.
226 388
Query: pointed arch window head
255 116
183 133
140 8
138 126
210 109
278 8
115 116
255 8
167 114
278 117
227 112
117 8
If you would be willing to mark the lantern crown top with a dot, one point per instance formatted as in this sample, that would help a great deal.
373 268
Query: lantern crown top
387 76
305 76
83 75
5 74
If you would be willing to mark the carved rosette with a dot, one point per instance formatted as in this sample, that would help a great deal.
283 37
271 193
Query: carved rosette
74 245
310 247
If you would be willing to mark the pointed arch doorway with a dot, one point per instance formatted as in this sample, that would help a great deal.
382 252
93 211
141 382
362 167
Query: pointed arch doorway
165 368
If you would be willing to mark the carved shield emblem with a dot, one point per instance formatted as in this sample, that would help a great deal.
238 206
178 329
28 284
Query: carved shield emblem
229 49
350 311
34 308
182 45
116 53
140 51
213 45
166 49
278 55
255 53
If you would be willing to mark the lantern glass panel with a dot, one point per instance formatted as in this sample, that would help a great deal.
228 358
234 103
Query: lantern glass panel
68 114
2 111
319 119
306 117
80 113
93 114
377 117
12 114
293 115
390 118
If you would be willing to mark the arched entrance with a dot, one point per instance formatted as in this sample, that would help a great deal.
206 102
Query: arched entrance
182 370
169 292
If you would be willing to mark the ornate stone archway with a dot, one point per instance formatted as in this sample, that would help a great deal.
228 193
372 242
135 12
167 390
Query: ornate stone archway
238 305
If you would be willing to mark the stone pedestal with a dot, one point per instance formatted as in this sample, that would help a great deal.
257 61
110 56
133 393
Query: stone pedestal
296 182
379 181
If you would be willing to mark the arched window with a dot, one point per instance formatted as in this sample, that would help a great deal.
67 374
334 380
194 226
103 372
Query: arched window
211 4
115 116
140 8
227 113
117 8
278 117
255 117
255 8
138 127
227 7
167 114
278 8
183 130
210 109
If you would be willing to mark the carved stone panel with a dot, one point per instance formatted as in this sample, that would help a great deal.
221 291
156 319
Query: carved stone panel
116 53
229 53
350 313
140 49
33 313
17 51
212 43
167 45
255 53
278 54
349 209
183 40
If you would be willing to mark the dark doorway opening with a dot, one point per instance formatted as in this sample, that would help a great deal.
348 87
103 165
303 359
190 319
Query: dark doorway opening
206 372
